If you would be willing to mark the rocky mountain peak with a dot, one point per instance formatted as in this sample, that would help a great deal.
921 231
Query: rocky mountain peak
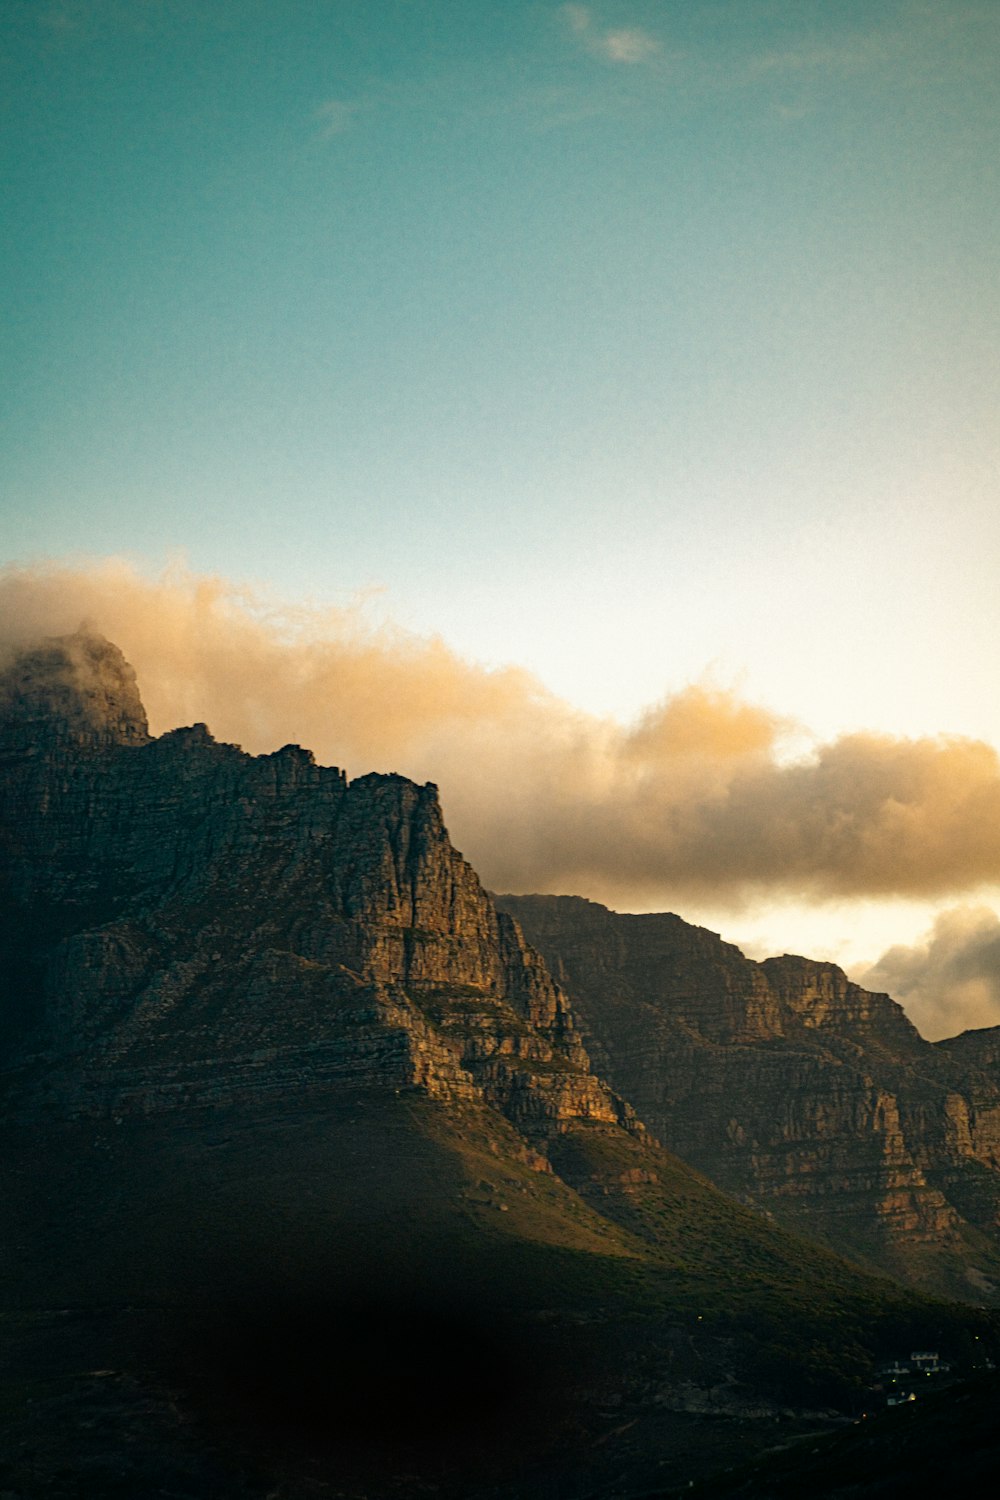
173 909
819 995
71 689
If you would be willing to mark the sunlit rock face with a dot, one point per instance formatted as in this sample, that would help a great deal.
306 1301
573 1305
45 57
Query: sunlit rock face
789 1085
188 923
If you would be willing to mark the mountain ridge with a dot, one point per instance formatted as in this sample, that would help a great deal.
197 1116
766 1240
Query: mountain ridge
791 1087
270 1037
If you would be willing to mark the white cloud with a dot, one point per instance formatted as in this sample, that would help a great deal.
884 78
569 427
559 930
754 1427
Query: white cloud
336 116
628 45
623 44
577 17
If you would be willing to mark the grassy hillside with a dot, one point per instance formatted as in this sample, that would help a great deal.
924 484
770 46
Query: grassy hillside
387 1286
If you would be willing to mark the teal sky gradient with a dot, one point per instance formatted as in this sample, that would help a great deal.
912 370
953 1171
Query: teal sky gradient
623 341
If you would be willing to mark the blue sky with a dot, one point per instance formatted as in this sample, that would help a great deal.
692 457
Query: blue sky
627 342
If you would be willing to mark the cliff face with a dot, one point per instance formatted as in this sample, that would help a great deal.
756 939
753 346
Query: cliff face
184 923
303 1147
188 923
790 1086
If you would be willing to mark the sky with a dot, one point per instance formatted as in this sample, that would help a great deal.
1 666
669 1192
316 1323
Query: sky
601 397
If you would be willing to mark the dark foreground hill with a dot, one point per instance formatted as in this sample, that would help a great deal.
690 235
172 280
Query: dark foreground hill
310 1185
793 1088
914 1449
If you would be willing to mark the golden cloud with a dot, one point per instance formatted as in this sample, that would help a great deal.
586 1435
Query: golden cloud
695 801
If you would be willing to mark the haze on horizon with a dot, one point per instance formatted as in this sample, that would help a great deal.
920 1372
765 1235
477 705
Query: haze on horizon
634 366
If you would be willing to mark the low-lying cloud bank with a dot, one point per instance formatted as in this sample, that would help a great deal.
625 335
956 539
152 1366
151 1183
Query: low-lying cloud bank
694 802
950 982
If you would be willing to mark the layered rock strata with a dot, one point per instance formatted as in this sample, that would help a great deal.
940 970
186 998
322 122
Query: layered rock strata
788 1085
186 923
292 1111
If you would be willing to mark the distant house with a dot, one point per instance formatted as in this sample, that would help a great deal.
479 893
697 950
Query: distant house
923 1359
900 1398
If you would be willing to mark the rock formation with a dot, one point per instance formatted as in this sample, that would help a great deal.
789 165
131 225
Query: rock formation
791 1087
302 1139
175 904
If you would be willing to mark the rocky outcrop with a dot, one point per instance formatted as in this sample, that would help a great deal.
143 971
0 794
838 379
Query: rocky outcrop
790 1086
186 923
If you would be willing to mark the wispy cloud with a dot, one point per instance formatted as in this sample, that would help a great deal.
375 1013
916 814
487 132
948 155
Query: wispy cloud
791 113
853 56
335 116
912 42
577 17
622 44
628 45
58 20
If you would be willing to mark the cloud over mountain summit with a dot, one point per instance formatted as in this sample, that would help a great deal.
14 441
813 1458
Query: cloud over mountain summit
697 800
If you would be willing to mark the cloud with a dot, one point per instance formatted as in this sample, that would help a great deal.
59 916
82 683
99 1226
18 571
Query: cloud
623 44
697 801
855 56
628 45
57 20
949 982
577 18
335 116
911 43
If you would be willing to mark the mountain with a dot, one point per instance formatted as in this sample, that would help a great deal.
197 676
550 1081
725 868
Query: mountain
311 1185
191 924
792 1088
